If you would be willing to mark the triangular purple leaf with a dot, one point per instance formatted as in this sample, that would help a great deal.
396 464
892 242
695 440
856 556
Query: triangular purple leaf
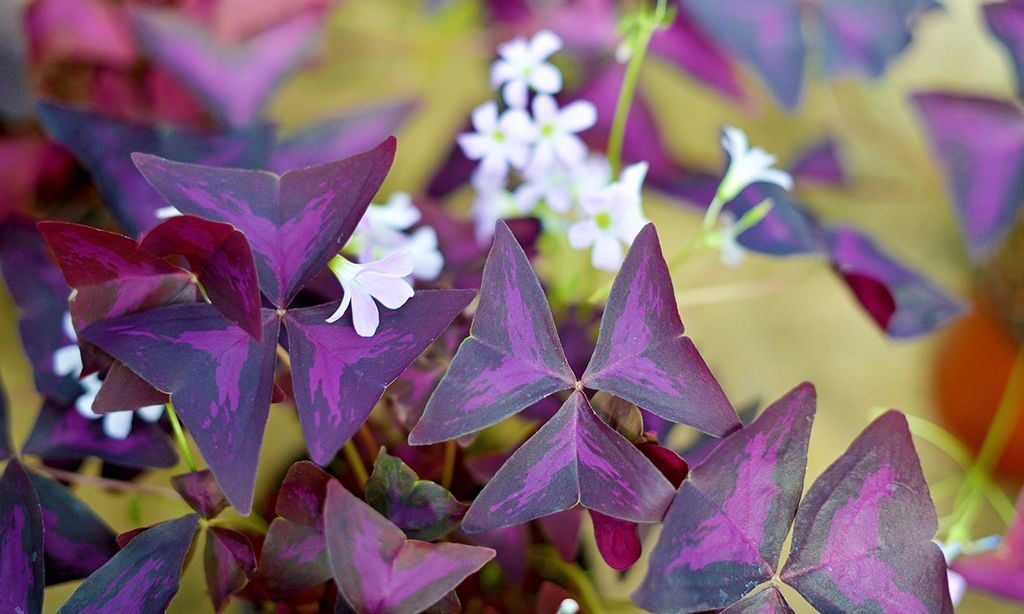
862 538
229 562
123 389
295 222
784 231
302 494
104 146
220 256
378 570
1006 20
76 541
575 457
820 163
980 145
338 376
202 493
642 355
143 577
294 557
724 532
686 46
512 359
235 80
219 379
21 543
617 540
768 601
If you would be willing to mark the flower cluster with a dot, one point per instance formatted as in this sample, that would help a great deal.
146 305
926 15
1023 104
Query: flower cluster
533 162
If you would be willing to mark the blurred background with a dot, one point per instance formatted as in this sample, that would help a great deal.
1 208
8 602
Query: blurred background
763 327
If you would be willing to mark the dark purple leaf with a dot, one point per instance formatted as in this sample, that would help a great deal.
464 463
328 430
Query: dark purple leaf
76 541
302 494
202 493
617 540
234 80
338 376
512 358
220 256
574 458
920 305
294 557
21 543
230 563
378 570
670 464
862 536
143 577
686 46
104 146
1006 20
724 532
295 222
767 601
642 355
980 145
785 230
340 137
999 571
38 289
218 376
423 509
820 163
562 530
60 432
123 389
510 545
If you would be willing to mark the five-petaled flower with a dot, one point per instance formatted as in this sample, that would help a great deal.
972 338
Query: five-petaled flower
365 285
613 217
556 130
747 165
499 141
524 66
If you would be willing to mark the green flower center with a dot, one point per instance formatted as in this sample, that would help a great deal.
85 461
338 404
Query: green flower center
603 220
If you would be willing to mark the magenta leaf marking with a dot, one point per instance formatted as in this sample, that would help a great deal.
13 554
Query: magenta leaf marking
724 532
76 542
21 542
378 570
642 355
234 80
143 577
980 144
512 359
219 378
202 493
423 509
862 536
295 222
768 601
338 376
999 571
575 457
230 563
220 256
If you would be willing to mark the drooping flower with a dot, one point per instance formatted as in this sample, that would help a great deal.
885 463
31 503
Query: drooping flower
523 66
499 141
364 285
614 216
383 231
747 165
556 131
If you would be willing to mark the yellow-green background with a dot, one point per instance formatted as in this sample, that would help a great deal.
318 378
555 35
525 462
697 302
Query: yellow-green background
760 339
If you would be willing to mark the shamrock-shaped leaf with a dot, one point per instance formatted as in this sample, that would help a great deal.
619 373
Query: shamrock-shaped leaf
513 357
980 145
378 570
901 301
423 509
768 601
21 542
104 146
574 458
76 542
999 571
229 562
861 538
202 493
143 577
853 37
235 80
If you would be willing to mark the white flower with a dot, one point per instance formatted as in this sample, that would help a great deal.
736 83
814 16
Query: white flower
614 216
560 187
568 606
169 211
556 133
427 260
67 360
498 141
381 233
523 65
746 166
382 281
492 204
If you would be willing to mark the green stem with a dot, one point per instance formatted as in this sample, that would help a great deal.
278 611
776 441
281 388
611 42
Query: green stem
711 215
448 472
549 564
646 27
355 464
179 437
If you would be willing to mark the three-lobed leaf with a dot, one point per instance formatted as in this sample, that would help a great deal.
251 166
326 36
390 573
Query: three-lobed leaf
424 510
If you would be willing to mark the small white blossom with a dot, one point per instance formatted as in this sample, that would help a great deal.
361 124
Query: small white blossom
498 141
67 360
381 233
523 65
169 211
568 606
365 285
747 165
559 187
614 216
556 131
